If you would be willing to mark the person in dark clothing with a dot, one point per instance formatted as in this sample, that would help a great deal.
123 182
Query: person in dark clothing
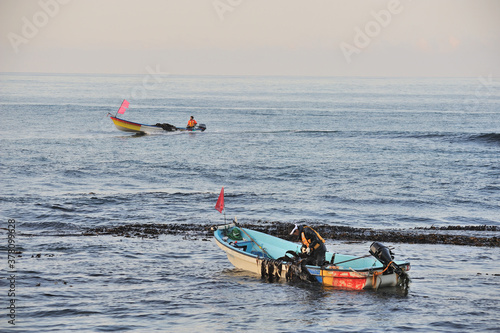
312 244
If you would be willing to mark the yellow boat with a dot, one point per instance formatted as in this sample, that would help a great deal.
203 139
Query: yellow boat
129 126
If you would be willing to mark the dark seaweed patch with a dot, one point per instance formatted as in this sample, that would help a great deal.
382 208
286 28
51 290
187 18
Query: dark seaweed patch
431 235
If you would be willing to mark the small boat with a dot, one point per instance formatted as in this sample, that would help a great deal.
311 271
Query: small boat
275 259
129 126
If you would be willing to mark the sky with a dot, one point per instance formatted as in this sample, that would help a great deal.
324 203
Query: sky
430 38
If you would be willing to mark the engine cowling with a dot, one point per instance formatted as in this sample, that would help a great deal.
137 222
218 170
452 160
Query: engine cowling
384 255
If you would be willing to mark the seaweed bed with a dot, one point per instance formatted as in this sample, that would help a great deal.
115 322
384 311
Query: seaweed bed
457 235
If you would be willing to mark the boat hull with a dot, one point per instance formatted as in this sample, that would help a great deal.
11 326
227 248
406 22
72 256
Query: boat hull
129 126
258 249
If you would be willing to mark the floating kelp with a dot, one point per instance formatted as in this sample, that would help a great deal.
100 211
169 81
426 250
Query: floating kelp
460 227
430 235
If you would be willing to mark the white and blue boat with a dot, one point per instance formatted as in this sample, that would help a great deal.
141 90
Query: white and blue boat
277 259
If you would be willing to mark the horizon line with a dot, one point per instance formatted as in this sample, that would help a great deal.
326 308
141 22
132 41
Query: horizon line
238 75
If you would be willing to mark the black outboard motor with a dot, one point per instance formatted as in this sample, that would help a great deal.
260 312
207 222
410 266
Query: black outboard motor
384 255
202 127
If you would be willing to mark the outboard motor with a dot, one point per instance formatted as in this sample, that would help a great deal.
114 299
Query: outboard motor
384 255
202 127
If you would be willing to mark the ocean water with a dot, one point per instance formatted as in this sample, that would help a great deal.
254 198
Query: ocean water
378 153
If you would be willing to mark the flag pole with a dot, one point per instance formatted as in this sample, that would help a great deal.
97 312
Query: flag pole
116 114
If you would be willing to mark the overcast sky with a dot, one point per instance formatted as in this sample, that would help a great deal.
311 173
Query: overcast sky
252 37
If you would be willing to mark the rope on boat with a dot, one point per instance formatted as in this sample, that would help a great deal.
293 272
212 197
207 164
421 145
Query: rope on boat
361 275
260 247
403 278
365 256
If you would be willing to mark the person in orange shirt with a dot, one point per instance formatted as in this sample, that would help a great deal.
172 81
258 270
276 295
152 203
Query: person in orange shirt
191 123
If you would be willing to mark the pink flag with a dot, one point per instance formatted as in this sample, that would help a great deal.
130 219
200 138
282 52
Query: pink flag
220 202
123 107
125 104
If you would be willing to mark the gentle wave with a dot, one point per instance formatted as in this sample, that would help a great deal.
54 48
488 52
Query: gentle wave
488 137
453 137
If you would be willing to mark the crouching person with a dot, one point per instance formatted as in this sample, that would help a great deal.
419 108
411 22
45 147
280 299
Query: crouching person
312 244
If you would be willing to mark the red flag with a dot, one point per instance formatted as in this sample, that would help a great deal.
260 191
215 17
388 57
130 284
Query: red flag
220 202
123 107
125 104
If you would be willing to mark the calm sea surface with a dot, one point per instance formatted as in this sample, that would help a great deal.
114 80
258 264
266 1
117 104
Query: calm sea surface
363 152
